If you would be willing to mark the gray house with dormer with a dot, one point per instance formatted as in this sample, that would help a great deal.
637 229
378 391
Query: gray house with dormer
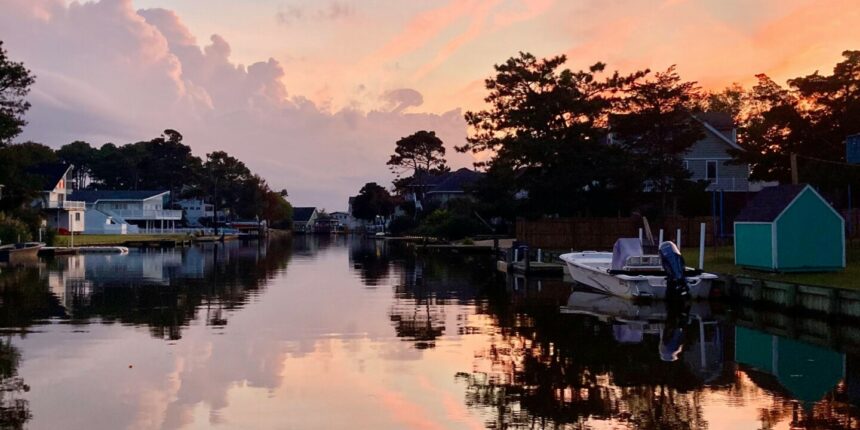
709 158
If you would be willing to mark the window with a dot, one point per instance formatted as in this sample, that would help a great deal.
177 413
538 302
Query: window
711 170
77 216
687 165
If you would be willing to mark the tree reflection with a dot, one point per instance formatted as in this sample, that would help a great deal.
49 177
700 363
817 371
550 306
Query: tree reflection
14 411
170 287
548 370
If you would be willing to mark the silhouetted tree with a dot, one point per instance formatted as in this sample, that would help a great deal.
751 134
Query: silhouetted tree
15 82
655 121
545 129
419 154
372 201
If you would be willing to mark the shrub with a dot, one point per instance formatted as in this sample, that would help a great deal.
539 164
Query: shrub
12 230
402 224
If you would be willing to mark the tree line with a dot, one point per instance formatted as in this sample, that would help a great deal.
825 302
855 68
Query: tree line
559 142
162 163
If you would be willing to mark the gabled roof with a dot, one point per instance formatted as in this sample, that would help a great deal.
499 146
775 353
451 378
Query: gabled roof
92 196
769 203
51 173
303 214
457 182
719 123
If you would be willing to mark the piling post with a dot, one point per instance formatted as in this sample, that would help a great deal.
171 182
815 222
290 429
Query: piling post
539 255
661 237
701 246
678 237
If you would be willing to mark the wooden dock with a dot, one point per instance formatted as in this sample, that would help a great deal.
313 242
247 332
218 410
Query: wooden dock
530 268
823 300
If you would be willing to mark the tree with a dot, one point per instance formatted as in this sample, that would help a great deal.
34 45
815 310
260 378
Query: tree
655 120
545 129
277 211
15 82
420 153
81 155
372 201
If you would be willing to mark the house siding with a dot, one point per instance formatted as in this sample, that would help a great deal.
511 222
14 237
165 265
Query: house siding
730 176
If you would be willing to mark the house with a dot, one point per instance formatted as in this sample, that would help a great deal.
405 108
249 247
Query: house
708 159
453 185
61 213
790 228
195 209
122 211
439 188
304 219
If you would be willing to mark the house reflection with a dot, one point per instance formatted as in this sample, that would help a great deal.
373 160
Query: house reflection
164 289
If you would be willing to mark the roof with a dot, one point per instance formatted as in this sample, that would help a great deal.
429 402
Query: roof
52 173
92 196
769 203
719 123
303 214
457 182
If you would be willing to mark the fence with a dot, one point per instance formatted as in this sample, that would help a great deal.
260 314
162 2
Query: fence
601 233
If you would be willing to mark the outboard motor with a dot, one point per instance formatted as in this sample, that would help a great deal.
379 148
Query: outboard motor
674 266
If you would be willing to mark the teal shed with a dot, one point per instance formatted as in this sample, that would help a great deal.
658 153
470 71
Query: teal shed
790 228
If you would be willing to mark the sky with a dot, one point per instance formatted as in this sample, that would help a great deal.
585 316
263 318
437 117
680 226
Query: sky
312 95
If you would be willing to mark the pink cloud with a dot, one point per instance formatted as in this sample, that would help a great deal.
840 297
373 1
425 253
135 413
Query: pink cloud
125 75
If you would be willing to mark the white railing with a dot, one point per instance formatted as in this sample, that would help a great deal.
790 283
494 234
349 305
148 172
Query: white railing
67 204
729 184
148 214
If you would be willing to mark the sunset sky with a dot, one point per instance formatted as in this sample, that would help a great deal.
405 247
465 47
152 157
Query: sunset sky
313 94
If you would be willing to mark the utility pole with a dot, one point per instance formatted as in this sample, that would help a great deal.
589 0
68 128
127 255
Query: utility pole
794 175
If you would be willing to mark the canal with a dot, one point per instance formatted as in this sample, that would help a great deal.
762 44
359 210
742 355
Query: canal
330 333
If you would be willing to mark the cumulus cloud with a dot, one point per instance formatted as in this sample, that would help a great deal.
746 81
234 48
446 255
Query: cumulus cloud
107 72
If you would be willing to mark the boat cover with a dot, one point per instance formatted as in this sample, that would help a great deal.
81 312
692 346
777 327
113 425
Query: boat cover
624 333
623 249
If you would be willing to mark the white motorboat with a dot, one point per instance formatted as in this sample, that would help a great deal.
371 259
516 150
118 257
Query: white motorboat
627 272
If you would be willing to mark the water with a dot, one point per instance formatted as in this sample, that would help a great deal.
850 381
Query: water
337 333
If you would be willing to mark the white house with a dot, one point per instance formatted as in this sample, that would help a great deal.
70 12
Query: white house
120 211
195 209
304 219
61 212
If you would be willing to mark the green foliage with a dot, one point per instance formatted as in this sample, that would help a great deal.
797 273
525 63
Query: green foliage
277 211
811 117
546 128
15 82
419 154
402 225
450 225
13 230
20 187
372 201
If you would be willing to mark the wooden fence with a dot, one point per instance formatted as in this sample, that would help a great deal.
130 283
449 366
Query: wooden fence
601 233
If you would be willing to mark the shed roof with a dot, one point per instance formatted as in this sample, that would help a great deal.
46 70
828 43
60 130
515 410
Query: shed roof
769 203
303 214
92 196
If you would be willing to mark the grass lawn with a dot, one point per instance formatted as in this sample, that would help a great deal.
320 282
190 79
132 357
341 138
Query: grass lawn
722 260
114 239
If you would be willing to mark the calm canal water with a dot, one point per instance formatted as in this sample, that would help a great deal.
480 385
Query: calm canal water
320 333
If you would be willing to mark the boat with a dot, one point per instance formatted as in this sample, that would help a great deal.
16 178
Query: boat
630 273
17 251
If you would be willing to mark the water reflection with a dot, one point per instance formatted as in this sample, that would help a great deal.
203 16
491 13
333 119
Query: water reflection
335 332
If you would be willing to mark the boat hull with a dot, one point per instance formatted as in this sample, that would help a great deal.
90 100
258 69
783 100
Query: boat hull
587 268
